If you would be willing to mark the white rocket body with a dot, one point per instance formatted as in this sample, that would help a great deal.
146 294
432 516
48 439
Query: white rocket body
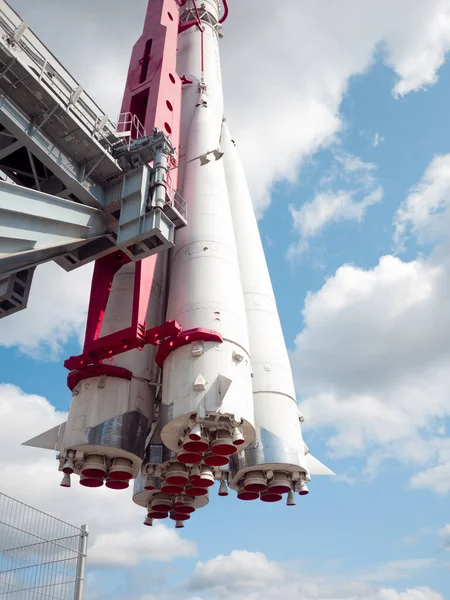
278 445
109 416
205 382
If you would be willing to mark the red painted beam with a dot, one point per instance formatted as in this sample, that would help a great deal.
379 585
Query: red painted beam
153 88
152 94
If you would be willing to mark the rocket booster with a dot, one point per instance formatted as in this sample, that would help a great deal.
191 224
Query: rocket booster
277 460
209 395
206 381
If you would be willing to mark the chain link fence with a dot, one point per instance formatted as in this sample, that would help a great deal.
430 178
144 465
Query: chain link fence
41 557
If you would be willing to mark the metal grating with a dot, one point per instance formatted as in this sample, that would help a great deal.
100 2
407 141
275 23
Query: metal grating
45 91
41 557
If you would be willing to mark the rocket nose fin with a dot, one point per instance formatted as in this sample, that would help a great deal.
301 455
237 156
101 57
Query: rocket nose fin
315 467
49 440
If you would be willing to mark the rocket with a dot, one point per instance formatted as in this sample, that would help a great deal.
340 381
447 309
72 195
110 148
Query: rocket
184 381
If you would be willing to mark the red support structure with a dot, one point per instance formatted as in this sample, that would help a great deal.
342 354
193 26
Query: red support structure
183 338
75 377
97 347
102 279
153 95
153 88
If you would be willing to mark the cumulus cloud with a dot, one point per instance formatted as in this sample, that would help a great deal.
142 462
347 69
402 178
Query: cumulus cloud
117 536
282 104
56 311
254 576
369 313
417 64
328 207
125 549
398 569
300 112
372 362
425 213
435 478
346 191
240 570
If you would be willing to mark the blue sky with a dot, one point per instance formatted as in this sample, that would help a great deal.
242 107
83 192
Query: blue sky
368 108
370 349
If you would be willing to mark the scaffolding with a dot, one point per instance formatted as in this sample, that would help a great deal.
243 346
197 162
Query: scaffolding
41 557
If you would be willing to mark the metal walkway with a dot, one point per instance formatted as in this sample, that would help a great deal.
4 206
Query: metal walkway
69 171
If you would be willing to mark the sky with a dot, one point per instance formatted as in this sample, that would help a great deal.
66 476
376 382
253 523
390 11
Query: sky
340 112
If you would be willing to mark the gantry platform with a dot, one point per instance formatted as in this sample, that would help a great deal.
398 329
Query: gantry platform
74 185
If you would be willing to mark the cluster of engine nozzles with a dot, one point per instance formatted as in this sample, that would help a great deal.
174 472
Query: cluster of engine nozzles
178 489
271 488
181 492
179 479
179 509
184 490
95 472
211 448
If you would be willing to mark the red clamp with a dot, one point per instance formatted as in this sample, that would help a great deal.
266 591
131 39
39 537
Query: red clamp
92 357
182 339
95 371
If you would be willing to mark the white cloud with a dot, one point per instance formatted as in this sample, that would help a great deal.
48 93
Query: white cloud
445 534
282 104
240 570
426 211
414 538
359 190
417 64
398 569
326 208
254 576
369 314
353 164
56 311
372 364
123 549
373 360
377 139
117 535
300 113
436 478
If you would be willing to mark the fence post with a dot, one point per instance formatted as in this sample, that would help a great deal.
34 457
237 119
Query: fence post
81 563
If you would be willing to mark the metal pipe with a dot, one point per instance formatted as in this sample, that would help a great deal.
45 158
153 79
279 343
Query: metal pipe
225 12
202 30
81 563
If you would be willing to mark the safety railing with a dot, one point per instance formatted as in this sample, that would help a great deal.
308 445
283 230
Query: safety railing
179 204
32 53
129 127
41 557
